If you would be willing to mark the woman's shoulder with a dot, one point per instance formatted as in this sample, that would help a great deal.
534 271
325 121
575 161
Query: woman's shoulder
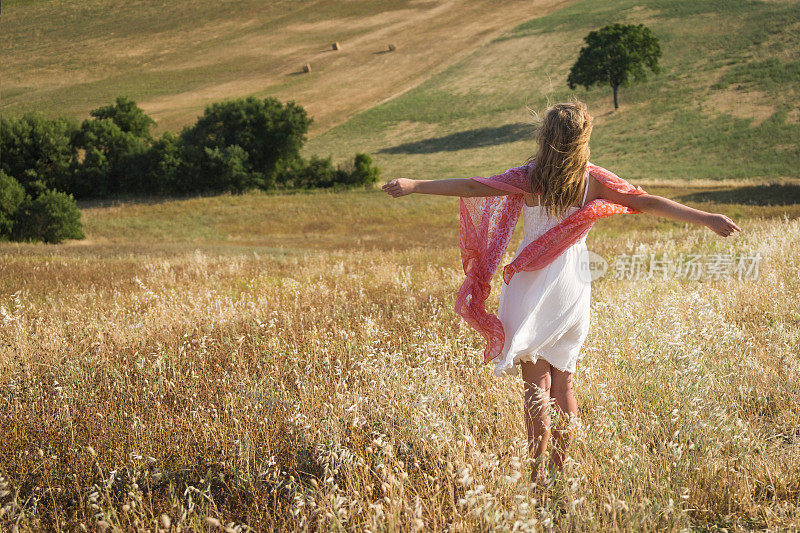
597 168
592 168
611 181
600 174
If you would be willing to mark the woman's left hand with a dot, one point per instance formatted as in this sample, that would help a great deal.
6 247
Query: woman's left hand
722 225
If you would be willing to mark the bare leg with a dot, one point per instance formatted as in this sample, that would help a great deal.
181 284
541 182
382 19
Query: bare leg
561 390
537 411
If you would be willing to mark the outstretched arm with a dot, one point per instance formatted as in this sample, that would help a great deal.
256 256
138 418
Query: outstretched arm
660 206
448 187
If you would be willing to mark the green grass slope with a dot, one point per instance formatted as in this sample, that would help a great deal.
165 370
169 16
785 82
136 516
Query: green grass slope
725 105
371 219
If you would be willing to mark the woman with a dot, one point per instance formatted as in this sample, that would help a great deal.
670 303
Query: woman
543 317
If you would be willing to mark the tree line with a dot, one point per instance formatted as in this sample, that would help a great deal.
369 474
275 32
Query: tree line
235 146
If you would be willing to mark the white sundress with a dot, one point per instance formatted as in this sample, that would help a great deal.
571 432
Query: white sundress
545 313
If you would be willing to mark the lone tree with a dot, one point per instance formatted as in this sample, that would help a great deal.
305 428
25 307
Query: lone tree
616 54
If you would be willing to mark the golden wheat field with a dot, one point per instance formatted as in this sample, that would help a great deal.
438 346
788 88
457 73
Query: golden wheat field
293 361
181 385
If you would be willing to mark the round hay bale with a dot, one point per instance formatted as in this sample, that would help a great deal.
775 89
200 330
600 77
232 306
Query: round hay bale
336 46
307 67
392 48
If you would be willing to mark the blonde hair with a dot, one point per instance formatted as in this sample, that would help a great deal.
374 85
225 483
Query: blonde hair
558 169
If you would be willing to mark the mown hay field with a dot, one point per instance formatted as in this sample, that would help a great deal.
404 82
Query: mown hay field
174 58
289 362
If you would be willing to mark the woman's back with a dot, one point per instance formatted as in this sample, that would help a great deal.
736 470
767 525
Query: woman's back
535 220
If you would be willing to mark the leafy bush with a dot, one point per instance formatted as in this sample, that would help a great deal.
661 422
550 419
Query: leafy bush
319 172
227 169
127 116
51 217
12 194
316 172
36 151
365 173
266 130
166 167
110 161
237 145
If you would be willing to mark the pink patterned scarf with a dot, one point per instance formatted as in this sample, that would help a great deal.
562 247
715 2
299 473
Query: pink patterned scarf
486 226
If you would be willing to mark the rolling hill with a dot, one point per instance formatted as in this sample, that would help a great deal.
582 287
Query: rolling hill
175 57
454 99
725 105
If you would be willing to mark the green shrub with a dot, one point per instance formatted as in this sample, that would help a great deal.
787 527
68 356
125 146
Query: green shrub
364 173
319 172
227 169
110 161
129 117
50 217
12 194
36 151
266 130
166 166
235 146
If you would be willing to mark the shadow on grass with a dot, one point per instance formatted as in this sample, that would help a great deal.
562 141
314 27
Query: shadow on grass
143 199
461 140
772 194
140 199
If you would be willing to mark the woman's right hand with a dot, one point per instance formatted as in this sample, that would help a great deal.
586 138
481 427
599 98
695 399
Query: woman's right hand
399 187
722 225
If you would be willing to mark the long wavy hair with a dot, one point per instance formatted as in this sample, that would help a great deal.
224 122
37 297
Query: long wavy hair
558 169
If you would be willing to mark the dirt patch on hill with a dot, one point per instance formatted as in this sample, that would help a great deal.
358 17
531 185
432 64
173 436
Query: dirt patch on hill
753 105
